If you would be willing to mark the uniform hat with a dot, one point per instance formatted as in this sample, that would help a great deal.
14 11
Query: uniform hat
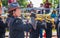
13 6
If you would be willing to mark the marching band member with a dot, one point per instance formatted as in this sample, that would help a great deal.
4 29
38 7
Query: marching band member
40 26
16 26
49 27
58 26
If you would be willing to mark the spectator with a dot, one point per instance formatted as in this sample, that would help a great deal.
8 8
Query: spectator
41 7
47 6
30 5
54 15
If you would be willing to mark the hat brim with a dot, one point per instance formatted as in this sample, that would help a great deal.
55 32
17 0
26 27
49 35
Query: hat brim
10 9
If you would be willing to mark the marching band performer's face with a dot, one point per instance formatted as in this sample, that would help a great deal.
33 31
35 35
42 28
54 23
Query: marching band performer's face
17 12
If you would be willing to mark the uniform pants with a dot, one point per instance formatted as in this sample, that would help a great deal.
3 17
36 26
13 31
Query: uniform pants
41 31
2 36
34 36
48 33
58 32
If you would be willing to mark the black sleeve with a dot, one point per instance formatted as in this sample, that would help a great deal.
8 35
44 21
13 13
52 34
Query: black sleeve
2 24
28 26
38 24
18 25
6 24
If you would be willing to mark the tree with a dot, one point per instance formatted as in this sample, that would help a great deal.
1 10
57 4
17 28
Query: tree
22 3
54 2
5 2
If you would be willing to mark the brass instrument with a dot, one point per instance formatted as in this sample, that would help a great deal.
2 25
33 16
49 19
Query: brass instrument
53 25
51 20
47 19
39 17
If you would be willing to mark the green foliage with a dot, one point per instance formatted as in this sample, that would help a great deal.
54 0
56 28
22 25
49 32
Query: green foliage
22 3
54 2
5 2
